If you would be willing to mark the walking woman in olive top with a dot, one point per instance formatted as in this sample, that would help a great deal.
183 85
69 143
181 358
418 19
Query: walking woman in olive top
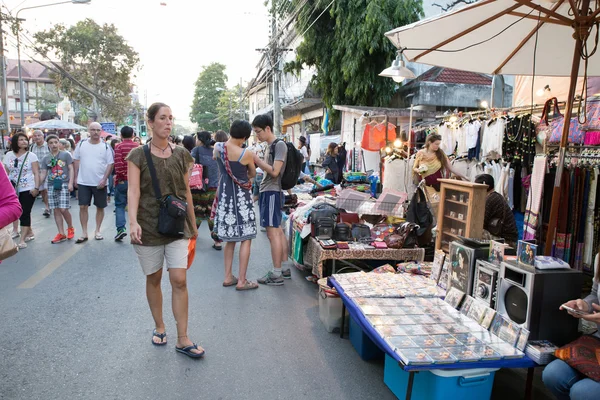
172 164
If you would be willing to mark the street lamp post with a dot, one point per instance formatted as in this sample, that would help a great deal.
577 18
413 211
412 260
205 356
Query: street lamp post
21 83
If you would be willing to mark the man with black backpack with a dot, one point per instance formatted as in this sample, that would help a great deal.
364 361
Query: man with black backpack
271 198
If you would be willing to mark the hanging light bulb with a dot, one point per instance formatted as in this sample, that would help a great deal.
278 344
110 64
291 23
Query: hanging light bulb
388 149
398 71
484 104
453 118
397 143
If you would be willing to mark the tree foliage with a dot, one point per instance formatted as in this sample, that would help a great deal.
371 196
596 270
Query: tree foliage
348 48
228 108
99 58
209 85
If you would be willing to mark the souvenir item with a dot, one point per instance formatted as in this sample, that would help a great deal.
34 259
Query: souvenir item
447 340
506 350
464 353
522 341
497 252
414 357
454 297
526 253
440 355
486 352
424 341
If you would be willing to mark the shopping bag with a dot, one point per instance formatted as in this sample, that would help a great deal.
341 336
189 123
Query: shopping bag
191 252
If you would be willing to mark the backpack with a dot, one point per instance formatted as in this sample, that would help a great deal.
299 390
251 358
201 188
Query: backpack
293 165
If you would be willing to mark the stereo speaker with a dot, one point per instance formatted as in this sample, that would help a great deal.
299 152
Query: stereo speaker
531 298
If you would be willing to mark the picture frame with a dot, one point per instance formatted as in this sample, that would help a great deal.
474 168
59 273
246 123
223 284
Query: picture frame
526 253
497 250
438 264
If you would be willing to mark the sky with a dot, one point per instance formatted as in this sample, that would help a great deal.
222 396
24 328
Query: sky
174 40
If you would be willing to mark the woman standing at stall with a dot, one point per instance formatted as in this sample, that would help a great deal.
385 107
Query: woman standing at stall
235 220
23 169
332 172
172 164
203 200
305 150
431 163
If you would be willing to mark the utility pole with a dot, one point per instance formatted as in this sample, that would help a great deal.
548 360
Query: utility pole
242 113
230 115
275 67
4 119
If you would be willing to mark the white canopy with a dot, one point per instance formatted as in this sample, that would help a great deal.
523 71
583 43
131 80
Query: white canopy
512 24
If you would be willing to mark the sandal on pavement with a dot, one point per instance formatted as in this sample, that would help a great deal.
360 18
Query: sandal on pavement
22 245
188 351
30 238
161 336
81 240
232 283
98 236
247 286
217 247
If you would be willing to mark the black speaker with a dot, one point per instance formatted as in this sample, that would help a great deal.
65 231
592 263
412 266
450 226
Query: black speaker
531 298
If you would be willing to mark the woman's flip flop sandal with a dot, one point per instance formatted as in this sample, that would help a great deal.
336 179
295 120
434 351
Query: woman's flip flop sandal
161 336
188 351
247 286
81 240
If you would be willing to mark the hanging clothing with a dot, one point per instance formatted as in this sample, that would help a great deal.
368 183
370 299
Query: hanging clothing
492 137
589 250
448 141
374 136
399 175
535 198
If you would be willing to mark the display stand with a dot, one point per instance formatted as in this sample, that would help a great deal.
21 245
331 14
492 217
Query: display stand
361 320
461 211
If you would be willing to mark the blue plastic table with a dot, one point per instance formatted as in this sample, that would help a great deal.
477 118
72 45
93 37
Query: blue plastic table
369 330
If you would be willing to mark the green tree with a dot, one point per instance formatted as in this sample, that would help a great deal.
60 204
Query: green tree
208 88
228 108
348 48
99 59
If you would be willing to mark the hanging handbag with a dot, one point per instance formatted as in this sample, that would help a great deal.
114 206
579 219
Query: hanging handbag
172 213
550 131
8 248
243 185
16 184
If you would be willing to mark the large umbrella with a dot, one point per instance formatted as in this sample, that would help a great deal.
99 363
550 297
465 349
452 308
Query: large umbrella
514 37
55 124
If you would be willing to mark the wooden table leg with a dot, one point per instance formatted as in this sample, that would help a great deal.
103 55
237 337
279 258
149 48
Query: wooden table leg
411 379
529 384
343 320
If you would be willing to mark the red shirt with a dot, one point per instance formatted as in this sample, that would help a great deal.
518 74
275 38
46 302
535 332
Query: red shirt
121 151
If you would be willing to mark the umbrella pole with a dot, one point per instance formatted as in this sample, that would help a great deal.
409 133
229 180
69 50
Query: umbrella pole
550 235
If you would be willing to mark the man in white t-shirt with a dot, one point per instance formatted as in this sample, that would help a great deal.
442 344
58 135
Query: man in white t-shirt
93 160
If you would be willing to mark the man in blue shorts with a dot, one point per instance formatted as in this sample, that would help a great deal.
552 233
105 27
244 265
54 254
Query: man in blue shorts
271 198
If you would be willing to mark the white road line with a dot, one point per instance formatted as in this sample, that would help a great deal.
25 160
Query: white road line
50 267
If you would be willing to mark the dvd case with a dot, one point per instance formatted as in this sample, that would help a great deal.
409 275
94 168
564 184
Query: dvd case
441 355
414 357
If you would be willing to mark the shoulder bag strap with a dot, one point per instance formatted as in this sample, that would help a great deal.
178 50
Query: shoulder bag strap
157 192
246 185
21 171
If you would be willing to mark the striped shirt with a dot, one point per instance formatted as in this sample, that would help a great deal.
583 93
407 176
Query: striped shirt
40 151
121 152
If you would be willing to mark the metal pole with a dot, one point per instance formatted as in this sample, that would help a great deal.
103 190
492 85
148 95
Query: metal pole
275 66
565 134
493 86
410 121
4 118
242 113
21 83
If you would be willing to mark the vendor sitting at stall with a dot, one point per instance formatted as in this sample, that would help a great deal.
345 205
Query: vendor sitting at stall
499 220
564 381
431 161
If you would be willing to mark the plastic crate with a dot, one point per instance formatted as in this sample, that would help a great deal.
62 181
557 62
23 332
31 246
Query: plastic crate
436 384
330 311
365 347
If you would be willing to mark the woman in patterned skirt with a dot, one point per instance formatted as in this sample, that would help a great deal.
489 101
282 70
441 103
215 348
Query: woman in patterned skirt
203 200
235 220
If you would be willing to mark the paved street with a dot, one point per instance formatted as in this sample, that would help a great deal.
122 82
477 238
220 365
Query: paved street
77 325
